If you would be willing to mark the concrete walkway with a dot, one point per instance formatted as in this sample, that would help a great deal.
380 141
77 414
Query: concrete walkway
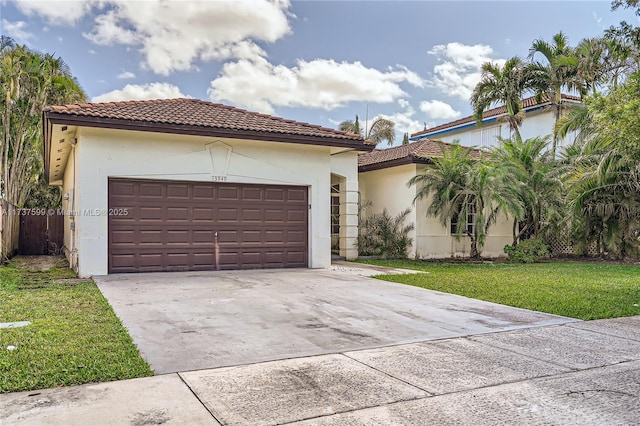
573 374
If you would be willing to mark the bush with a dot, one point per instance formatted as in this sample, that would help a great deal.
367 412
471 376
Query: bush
527 251
385 236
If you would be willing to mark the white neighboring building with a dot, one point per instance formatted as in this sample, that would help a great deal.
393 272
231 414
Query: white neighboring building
539 121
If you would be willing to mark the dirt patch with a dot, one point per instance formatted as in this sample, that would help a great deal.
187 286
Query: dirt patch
39 263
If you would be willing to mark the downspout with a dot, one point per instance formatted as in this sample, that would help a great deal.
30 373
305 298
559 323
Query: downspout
73 254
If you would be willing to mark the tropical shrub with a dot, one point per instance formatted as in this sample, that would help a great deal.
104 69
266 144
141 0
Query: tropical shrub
386 236
527 251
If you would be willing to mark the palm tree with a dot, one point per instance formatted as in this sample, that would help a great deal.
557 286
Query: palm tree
469 189
557 72
604 190
381 129
29 81
577 119
592 68
623 48
527 165
504 85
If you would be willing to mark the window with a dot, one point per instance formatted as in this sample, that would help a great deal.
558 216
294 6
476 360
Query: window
486 137
471 213
335 209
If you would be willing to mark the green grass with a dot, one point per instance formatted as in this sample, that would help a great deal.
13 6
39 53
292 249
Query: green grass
573 289
74 336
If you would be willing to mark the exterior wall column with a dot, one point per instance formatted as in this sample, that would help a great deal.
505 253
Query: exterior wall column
348 218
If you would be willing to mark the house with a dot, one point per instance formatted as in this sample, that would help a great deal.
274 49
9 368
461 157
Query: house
184 184
539 121
383 176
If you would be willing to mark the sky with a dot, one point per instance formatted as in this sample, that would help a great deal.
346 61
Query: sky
322 62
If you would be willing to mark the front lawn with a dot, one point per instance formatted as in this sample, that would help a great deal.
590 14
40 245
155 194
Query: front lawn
573 289
74 336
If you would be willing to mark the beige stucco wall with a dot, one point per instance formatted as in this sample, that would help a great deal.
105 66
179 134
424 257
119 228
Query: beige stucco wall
68 206
432 240
101 154
387 188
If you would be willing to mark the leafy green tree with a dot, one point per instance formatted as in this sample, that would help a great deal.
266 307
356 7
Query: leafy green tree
527 165
381 129
617 116
467 188
557 71
29 81
405 139
623 52
604 192
615 4
502 85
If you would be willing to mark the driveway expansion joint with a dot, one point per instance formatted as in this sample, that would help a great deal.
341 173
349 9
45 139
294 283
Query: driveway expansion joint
198 398
429 393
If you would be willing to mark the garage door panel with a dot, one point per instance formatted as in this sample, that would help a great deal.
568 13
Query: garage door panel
149 213
229 193
298 258
296 237
178 191
228 215
252 194
177 213
201 236
296 216
203 192
151 189
274 195
149 237
171 226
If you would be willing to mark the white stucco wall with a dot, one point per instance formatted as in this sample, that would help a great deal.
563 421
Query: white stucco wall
387 188
537 123
344 170
102 153
68 205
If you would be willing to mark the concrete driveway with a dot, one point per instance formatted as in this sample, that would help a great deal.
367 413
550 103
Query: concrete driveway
193 321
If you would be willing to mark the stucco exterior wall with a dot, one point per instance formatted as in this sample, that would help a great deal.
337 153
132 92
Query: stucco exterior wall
344 169
102 153
68 206
387 188
432 240
537 123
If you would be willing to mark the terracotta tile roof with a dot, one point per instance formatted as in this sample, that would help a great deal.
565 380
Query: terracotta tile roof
196 114
415 152
527 103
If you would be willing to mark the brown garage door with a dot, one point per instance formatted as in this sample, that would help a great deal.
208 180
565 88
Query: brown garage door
171 226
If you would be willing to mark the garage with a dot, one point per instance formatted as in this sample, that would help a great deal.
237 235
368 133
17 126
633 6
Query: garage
190 185
161 225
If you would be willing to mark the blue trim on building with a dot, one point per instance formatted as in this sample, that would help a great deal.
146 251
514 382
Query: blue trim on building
471 124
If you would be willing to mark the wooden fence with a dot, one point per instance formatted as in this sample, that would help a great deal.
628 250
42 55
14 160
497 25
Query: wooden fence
41 232
9 230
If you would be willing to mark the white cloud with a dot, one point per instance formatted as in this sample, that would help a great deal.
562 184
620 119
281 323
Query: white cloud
208 30
16 30
140 92
438 110
459 67
321 83
57 12
125 75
